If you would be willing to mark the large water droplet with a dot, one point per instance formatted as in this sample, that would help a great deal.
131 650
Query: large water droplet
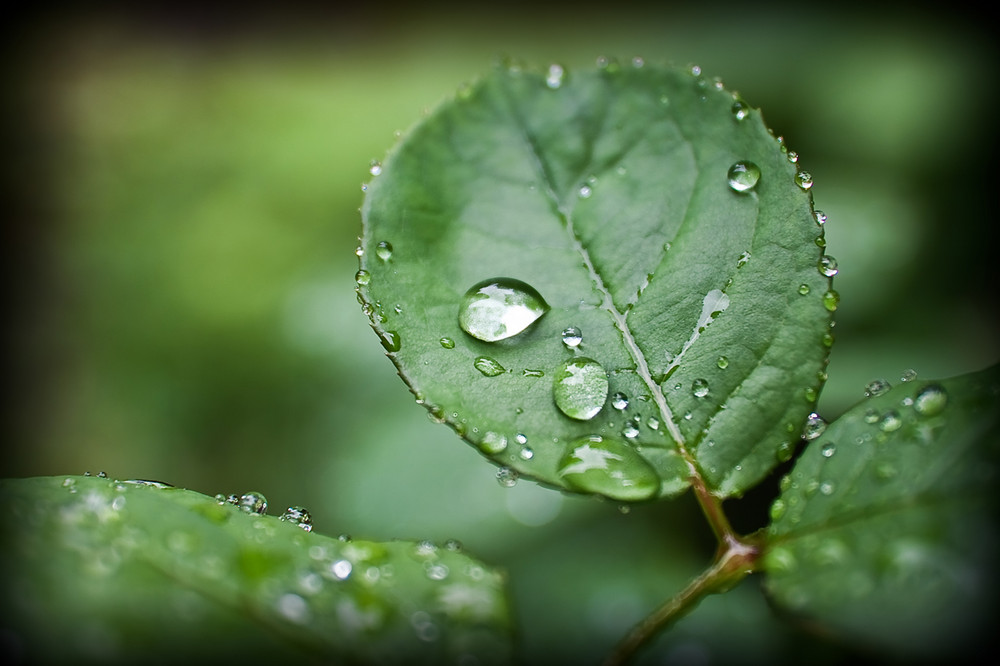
384 250
930 400
814 427
828 266
500 308
555 75
572 337
390 341
831 299
488 366
608 467
297 515
253 502
492 442
699 388
877 387
507 477
743 176
581 388
890 421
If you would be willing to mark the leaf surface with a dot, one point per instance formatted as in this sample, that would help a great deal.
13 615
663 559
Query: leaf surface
97 570
607 192
885 527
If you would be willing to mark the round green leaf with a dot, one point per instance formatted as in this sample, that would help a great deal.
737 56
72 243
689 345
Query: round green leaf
666 238
884 530
102 571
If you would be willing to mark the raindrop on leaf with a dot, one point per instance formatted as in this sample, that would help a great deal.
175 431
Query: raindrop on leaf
500 308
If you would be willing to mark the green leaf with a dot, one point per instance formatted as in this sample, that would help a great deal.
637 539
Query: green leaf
608 194
96 570
883 529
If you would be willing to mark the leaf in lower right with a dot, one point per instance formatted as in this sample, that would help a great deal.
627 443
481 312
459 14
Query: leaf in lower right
884 531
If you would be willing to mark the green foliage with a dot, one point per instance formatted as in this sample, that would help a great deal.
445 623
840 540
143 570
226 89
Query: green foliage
142 570
180 333
884 529
673 246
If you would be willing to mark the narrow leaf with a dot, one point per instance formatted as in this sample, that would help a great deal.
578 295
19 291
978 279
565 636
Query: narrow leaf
666 254
884 530
96 570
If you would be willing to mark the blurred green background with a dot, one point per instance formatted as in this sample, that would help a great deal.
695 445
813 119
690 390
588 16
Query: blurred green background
180 260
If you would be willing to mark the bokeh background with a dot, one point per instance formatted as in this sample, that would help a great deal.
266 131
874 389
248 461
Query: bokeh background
179 258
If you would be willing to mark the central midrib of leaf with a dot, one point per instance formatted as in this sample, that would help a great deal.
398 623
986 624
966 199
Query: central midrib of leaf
620 319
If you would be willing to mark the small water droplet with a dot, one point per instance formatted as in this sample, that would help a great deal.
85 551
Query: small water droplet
722 362
699 388
777 509
740 109
743 176
630 431
784 451
804 179
572 337
908 375
827 266
890 421
608 467
297 515
528 372
820 241
341 569
383 250
871 416
362 277
375 168
828 449
447 343
810 394
827 488
742 260
930 400
619 401
436 570
804 289
359 251
500 308
653 423
820 217
555 75
877 387
102 475
507 477
581 388
585 191
814 427
492 442
827 340
253 502
831 299
526 453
